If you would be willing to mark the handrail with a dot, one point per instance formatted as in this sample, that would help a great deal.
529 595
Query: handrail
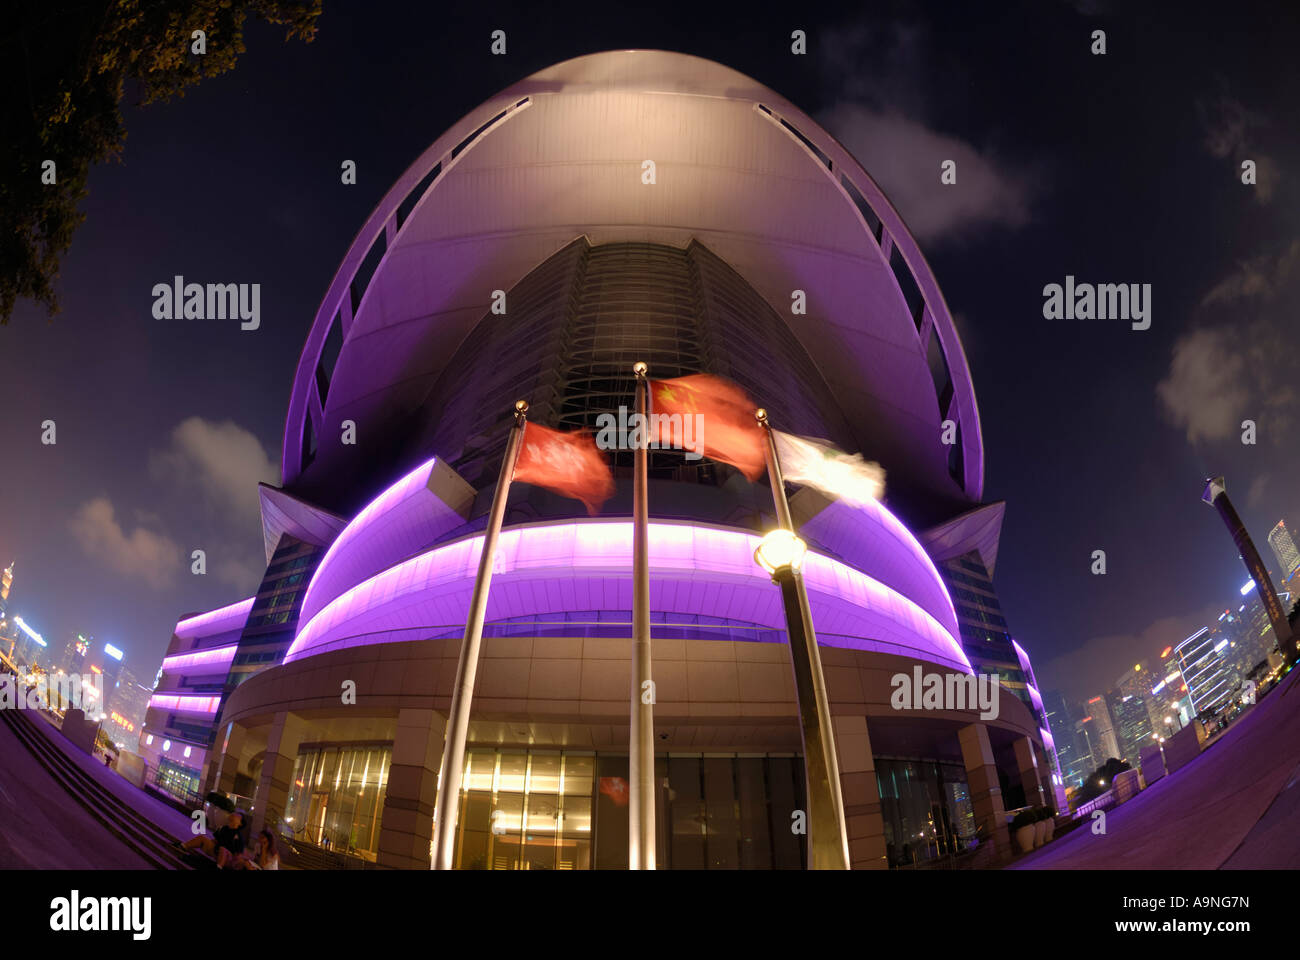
1099 802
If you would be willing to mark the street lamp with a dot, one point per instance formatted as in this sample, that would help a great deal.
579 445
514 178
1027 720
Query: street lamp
781 554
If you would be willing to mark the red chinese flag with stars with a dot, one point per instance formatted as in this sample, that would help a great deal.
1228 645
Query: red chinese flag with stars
567 463
727 431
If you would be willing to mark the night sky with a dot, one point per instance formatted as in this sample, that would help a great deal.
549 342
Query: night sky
1123 168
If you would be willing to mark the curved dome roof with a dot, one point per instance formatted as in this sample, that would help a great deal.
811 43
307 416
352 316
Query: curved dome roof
560 155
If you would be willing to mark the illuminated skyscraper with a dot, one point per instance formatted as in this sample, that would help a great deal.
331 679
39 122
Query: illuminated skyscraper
31 647
1073 755
6 582
75 654
1090 751
1103 736
1132 724
1288 558
1201 661
1140 682
130 698
1167 707
1248 632
8 631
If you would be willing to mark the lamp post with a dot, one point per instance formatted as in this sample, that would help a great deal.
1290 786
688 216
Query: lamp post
781 554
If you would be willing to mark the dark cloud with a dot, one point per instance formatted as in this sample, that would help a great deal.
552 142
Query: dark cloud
1242 365
879 112
1232 132
141 555
223 461
905 157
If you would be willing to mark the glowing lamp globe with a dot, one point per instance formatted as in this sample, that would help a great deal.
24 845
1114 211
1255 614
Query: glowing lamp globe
779 551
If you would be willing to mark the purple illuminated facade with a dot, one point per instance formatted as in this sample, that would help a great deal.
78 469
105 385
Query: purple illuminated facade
549 569
322 699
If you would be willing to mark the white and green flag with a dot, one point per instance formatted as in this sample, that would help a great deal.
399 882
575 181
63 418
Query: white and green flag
839 475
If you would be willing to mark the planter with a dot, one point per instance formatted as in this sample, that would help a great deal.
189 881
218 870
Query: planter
1025 838
1051 829
1040 833
1126 785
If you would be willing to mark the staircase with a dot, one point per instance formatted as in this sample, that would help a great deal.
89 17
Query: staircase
149 841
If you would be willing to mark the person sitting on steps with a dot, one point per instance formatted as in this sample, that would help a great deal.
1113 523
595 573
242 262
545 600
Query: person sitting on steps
226 844
263 856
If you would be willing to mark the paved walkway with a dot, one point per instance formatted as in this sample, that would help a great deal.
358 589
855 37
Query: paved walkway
1236 806
41 827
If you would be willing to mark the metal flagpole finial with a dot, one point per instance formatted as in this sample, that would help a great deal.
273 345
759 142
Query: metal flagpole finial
639 368
761 415
521 407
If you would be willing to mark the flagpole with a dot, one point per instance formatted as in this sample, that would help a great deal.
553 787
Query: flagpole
462 695
828 847
641 748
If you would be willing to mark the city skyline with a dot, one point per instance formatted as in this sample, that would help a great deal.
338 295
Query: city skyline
1077 695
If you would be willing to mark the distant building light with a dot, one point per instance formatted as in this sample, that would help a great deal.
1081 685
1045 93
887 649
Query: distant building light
167 745
1165 652
29 631
1246 587
112 651
1220 645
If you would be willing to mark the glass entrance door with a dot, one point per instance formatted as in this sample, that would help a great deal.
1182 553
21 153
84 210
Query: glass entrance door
526 810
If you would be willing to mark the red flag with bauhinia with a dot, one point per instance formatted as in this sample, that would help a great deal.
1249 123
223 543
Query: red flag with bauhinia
567 463
728 431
